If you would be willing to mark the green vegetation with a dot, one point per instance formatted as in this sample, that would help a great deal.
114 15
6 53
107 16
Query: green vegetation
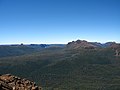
16 50
67 69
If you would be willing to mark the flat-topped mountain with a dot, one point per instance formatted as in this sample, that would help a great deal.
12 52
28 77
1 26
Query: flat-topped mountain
80 65
91 45
81 44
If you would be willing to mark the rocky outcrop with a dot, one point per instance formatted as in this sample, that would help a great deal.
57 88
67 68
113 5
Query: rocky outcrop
81 44
117 52
116 48
114 45
10 82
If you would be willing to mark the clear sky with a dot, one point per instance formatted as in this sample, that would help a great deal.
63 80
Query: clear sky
59 21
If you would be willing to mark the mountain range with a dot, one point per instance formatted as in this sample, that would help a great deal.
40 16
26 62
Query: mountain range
79 65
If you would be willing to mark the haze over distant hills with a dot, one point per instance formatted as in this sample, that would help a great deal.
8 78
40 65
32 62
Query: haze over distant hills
44 27
21 49
79 65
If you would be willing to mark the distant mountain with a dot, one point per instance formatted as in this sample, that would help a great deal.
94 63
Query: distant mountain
16 50
97 44
56 45
81 44
114 45
39 46
79 65
86 44
67 69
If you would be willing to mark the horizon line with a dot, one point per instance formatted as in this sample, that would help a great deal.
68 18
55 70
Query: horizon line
20 43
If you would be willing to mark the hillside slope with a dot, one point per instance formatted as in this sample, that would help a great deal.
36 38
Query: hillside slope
16 50
68 68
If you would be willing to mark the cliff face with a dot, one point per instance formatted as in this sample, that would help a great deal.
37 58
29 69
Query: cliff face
117 51
116 47
81 44
10 82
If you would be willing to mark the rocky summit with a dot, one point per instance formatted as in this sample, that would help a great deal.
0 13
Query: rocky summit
81 44
10 82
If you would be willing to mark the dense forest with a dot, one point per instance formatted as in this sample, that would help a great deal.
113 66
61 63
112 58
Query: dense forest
65 68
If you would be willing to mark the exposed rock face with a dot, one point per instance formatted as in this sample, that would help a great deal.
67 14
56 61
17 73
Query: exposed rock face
115 47
117 53
109 44
10 82
81 44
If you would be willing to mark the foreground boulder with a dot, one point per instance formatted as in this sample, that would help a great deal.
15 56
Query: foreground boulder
10 82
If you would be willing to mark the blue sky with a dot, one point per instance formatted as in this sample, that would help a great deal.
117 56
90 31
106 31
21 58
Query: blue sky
59 21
